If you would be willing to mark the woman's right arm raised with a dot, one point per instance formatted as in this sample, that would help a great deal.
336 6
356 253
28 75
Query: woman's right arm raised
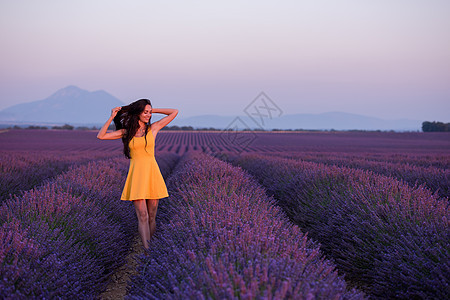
103 135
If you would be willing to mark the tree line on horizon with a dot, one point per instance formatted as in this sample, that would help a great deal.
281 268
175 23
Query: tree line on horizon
435 126
426 127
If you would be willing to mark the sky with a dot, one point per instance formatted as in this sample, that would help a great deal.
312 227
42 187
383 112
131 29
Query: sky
386 58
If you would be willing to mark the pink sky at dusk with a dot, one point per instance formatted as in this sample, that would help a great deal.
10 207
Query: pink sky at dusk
389 59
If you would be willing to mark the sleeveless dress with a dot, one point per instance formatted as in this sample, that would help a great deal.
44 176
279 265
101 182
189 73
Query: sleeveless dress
144 180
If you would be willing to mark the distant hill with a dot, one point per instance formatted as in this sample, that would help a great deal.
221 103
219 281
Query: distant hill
323 121
75 106
68 105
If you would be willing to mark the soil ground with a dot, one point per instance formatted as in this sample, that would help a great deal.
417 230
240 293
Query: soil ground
117 288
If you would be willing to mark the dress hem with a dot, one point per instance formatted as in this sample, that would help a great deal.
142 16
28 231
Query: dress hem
140 198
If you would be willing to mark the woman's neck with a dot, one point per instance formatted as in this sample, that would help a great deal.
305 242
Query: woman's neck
141 130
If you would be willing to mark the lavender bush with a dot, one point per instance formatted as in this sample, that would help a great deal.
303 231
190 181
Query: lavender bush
412 169
77 246
386 236
64 238
20 171
30 270
221 237
438 160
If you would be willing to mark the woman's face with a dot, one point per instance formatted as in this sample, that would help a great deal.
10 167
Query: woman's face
146 114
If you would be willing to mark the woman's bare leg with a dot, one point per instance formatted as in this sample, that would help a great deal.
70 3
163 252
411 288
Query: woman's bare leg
143 221
152 207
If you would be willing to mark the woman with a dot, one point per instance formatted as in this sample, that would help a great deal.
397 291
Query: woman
145 184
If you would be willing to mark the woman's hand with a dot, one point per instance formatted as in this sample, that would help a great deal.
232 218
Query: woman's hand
171 114
104 135
115 110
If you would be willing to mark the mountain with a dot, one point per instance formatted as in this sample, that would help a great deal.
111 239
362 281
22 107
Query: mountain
323 121
75 106
70 105
343 121
204 121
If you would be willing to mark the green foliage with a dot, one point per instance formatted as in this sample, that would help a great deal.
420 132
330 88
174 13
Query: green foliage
435 126
64 127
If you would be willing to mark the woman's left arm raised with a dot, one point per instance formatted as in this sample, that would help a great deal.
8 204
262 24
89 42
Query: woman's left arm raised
171 114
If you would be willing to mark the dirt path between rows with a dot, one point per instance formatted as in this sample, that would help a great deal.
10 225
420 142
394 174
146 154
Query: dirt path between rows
117 288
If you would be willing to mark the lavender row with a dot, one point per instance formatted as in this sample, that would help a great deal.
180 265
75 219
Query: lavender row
66 241
21 171
221 237
389 238
65 238
437 179
438 160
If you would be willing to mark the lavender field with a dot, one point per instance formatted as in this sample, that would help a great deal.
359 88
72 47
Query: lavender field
251 215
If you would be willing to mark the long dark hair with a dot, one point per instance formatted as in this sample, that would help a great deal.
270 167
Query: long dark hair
128 118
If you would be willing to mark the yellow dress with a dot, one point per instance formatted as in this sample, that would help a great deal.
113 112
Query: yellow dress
144 180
